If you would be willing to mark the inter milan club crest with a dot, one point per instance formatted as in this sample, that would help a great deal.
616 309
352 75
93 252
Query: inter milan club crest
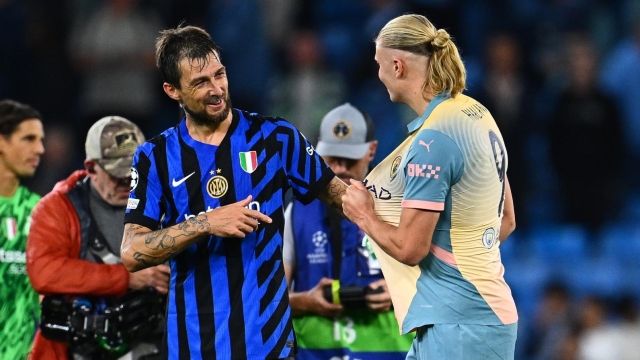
217 186
249 161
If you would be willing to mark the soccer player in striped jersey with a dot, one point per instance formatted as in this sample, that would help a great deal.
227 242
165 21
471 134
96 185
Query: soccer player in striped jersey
207 196
437 207
21 137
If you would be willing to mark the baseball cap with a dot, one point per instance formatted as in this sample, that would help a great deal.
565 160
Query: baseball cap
345 132
112 141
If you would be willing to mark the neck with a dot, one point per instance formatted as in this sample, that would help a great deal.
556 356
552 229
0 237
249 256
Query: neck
419 101
9 183
210 133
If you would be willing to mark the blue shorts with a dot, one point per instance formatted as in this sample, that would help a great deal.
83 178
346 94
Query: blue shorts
463 342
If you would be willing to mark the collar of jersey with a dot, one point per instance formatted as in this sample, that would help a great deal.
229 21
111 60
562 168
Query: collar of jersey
184 133
417 123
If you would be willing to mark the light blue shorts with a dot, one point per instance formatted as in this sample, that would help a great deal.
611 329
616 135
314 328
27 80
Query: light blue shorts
464 342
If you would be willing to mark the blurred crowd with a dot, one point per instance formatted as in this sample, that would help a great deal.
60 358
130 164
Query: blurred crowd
561 78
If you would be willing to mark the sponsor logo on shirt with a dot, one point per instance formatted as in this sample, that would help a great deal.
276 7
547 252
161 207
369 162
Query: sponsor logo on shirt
421 170
254 205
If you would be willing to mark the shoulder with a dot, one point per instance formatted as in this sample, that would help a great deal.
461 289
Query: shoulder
28 197
266 123
158 140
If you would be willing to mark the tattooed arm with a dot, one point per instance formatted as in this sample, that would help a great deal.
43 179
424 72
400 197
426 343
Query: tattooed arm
332 194
142 248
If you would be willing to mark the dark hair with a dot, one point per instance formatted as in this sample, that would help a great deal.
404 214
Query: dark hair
173 45
371 134
12 113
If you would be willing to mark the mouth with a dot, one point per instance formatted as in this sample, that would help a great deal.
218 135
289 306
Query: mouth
33 162
216 102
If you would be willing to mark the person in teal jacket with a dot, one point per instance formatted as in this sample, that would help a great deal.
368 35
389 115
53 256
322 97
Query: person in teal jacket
357 322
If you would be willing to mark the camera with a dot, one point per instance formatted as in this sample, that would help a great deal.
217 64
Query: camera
351 297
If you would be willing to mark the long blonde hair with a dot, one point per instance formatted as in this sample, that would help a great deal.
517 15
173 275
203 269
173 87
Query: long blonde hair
416 34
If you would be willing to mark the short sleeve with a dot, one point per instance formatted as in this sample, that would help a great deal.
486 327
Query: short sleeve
144 204
434 163
307 173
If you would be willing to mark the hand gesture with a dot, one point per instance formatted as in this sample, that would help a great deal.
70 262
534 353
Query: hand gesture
357 202
379 302
321 306
235 220
155 276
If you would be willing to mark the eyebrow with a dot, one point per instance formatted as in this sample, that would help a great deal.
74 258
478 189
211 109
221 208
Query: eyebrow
204 77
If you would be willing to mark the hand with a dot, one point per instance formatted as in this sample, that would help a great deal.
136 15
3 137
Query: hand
318 303
155 276
357 202
379 302
235 220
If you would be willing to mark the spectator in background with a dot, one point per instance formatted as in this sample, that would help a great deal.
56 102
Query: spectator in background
74 249
315 258
620 78
552 323
585 133
505 92
21 146
308 90
112 50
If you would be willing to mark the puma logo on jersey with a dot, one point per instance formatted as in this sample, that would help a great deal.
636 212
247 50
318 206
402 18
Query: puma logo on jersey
425 144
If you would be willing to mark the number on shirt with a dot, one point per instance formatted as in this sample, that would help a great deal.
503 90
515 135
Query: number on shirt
501 164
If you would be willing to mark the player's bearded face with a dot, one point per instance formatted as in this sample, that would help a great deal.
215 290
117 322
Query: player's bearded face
202 117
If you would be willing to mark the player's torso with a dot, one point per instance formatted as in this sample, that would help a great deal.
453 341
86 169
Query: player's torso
470 222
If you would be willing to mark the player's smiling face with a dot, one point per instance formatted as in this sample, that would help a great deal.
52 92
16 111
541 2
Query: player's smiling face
20 152
204 91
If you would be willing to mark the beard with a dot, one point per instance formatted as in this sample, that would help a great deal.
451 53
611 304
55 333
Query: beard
202 118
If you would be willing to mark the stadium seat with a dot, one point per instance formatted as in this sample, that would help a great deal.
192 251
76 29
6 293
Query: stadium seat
620 242
559 244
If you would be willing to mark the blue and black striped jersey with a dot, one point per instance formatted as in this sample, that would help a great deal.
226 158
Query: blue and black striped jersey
228 297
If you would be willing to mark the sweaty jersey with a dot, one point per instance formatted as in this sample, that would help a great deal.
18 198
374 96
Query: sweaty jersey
228 297
19 304
453 161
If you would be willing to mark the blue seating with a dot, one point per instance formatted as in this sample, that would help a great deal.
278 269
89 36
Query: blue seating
620 242
559 244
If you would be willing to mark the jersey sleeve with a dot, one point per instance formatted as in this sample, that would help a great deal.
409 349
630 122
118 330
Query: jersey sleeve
145 200
306 172
434 164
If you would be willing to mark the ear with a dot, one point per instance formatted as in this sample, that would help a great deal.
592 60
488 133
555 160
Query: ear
398 67
373 147
90 165
171 91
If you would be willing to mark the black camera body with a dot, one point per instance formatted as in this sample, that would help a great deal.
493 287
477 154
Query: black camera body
351 297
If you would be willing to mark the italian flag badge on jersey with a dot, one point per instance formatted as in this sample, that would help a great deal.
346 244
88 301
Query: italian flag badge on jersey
249 161
12 228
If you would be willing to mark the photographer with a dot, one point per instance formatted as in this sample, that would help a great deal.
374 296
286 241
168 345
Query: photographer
93 307
339 299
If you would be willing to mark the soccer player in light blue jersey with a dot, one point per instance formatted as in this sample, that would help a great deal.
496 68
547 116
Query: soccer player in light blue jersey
438 206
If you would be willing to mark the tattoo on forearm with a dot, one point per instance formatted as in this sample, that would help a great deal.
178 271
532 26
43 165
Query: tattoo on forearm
335 191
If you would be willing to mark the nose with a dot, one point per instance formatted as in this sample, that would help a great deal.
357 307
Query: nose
216 89
40 148
339 166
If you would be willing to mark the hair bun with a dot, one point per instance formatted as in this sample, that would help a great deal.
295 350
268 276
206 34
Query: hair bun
442 36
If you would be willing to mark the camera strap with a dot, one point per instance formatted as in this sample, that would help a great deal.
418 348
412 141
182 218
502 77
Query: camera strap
335 223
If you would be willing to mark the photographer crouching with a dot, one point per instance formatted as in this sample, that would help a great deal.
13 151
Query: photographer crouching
93 308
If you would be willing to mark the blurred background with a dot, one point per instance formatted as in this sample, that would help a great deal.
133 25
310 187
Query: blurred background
561 78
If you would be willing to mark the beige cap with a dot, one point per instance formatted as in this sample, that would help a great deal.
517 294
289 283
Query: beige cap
112 141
